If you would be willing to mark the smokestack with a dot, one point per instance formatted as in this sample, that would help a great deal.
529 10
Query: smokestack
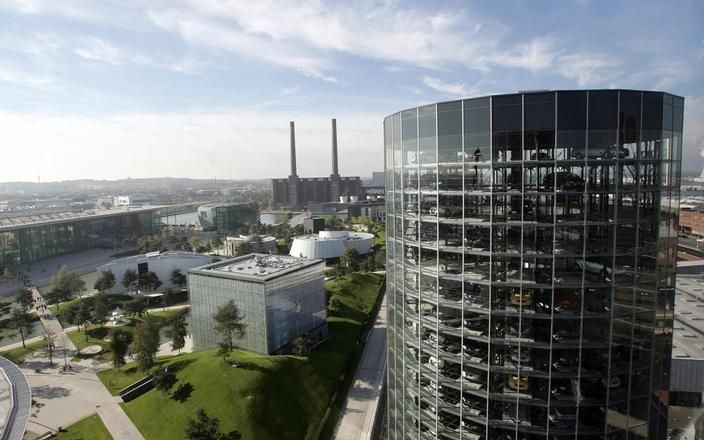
293 149
334 148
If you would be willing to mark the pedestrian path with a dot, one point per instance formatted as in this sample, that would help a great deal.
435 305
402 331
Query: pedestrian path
361 408
83 385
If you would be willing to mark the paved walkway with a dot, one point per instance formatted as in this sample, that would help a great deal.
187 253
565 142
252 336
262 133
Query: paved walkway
66 398
359 413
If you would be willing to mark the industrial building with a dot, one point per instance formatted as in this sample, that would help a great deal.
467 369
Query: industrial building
161 263
226 218
330 244
297 192
29 238
531 251
281 297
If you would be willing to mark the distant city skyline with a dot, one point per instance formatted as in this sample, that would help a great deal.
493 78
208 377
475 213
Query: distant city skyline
206 89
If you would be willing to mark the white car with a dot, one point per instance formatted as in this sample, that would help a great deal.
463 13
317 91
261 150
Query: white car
614 382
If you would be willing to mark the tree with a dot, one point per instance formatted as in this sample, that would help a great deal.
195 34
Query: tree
216 243
64 284
195 243
101 308
178 279
129 279
149 281
136 306
203 427
244 248
335 306
105 282
300 346
164 379
228 322
178 332
146 343
83 316
24 298
49 343
119 344
22 322
349 260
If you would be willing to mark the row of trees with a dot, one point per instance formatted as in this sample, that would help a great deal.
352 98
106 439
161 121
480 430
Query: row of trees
170 241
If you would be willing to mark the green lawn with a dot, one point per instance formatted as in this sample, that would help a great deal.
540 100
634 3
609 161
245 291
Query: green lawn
380 238
18 355
266 397
90 428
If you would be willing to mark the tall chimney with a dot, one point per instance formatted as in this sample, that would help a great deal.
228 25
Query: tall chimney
334 148
293 149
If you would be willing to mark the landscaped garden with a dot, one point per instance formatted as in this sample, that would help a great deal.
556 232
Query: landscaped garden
264 397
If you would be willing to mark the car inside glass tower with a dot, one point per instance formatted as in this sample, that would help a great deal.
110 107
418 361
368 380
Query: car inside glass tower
531 254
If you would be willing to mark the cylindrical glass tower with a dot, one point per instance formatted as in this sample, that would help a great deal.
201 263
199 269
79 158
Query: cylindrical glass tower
531 265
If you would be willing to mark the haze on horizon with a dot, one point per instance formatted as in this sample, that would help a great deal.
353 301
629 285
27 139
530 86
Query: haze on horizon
206 88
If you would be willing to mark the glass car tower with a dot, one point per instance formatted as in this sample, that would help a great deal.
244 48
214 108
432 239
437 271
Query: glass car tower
531 254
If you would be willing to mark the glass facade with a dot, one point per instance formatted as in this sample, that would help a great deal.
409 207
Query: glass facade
531 253
25 244
276 309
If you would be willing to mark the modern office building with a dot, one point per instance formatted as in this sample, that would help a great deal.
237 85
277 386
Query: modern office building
297 192
228 217
531 248
281 297
29 238
161 263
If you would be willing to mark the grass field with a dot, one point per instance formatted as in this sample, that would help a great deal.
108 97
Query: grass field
265 397
18 355
90 428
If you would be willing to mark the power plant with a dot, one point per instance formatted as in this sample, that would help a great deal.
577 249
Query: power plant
297 192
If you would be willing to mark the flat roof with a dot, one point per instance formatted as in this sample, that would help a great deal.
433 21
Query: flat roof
8 223
688 331
256 267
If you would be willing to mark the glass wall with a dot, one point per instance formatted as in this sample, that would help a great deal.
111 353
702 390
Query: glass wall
531 242
27 244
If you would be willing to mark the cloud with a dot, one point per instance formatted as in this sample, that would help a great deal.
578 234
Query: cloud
536 55
12 74
693 140
288 91
454 89
588 69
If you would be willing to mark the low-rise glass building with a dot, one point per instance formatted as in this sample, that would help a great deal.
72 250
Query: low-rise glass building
281 297
32 238
531 244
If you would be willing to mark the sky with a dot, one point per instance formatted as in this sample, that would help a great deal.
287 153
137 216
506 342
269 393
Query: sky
113 89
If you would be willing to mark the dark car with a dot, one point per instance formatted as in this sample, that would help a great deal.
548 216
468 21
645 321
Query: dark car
563 181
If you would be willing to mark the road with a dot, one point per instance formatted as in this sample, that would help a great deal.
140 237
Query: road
359 413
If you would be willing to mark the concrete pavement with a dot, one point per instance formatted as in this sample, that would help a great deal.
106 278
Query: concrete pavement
359 413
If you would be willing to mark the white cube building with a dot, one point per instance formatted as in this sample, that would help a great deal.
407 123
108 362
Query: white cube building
281 297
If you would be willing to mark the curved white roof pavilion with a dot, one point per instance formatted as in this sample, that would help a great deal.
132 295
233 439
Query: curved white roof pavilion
330 244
